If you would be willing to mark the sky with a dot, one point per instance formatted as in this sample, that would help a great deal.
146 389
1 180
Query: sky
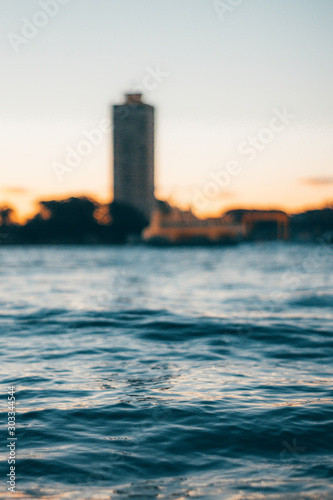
242 89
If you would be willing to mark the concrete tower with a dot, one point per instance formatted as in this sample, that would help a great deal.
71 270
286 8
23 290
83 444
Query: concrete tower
133 146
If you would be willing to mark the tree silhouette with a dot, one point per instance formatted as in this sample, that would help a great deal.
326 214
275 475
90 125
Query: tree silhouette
6 216
64 221
126 221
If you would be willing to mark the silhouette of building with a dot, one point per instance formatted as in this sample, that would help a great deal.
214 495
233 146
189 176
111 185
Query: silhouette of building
170 225
133 141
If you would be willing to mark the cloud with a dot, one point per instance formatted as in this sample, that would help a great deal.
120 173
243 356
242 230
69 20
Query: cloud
318 181
16 191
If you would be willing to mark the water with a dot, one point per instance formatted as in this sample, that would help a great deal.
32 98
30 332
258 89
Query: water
169 373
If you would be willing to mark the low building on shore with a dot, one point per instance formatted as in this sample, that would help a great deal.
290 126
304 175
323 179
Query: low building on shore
170 225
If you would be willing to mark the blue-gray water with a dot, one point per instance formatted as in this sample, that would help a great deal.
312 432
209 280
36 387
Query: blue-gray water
169 373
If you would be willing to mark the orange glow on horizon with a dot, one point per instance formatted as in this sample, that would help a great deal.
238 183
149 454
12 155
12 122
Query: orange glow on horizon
27 207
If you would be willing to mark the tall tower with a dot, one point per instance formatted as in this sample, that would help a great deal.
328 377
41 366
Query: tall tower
133 146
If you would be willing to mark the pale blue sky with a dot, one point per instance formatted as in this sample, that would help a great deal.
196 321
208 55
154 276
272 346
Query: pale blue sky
224 78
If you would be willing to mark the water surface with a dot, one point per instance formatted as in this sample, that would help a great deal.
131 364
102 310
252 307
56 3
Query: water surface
169 373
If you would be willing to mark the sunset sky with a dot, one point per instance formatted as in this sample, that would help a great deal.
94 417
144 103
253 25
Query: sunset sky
219 75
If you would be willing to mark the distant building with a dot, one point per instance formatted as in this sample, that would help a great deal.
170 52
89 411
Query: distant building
133 141
170 225
263 224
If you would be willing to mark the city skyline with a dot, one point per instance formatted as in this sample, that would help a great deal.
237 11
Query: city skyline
256 59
